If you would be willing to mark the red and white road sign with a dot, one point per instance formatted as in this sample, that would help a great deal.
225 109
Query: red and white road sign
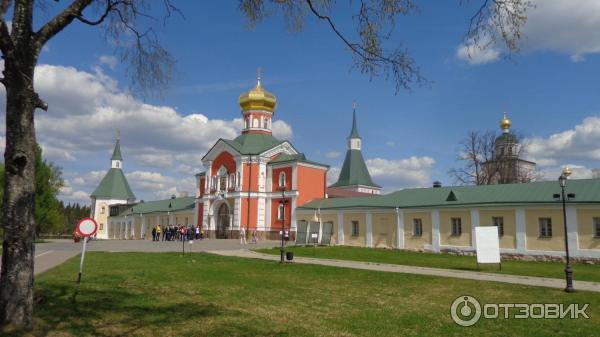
86 227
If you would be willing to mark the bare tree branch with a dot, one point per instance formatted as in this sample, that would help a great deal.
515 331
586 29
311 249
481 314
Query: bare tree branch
60 21
4 6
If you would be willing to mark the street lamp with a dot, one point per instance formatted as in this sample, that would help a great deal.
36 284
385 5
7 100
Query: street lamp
282 203
562 181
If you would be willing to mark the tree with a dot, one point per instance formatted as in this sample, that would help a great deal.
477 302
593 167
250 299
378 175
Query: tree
484 160
48 182
129 28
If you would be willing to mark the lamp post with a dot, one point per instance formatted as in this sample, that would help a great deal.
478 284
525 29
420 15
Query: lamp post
562 180
282 203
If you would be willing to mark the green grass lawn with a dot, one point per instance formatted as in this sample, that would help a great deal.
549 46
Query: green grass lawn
164 294
582 272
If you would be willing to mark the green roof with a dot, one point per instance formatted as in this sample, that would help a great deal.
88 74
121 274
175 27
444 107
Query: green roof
117 152
354 171
300 157
354 131
587 191
506 138
114 186
157 206
252 143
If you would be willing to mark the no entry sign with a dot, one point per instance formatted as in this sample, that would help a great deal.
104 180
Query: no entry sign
86 227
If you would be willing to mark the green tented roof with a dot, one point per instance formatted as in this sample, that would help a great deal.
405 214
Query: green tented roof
354 131
300 157
160 206
252 143
117 152
354 171
587 191
114 186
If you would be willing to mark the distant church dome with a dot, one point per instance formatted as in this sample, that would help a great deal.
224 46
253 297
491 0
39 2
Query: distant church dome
505 124
258 99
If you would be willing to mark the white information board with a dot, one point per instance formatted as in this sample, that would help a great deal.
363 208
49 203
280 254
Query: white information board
488 244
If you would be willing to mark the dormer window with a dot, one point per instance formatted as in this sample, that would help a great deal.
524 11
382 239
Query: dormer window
282 180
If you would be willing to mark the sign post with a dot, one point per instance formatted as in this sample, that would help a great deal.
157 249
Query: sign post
488 245
86 227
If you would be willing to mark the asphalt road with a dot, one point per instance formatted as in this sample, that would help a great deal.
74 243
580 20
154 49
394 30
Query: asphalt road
51 254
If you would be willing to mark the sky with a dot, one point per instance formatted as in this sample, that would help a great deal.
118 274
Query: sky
410 139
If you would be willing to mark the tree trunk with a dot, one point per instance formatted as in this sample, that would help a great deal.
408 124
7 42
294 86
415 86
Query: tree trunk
16 277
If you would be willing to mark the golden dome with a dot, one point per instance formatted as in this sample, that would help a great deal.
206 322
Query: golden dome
258 99
566 171
505 123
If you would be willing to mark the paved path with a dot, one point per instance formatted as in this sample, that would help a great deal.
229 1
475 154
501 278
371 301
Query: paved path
51 254
463 274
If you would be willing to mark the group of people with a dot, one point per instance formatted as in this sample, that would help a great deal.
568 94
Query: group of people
243 236
177 233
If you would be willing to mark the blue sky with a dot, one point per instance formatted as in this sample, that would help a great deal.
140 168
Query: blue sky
550 91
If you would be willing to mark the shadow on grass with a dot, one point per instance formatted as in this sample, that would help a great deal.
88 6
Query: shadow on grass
110 313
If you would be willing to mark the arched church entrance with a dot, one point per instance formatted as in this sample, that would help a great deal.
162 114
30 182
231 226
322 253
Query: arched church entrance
223 222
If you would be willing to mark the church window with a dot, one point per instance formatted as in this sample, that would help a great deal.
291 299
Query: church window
102 209
223 183
247 123
456 226
239 179
417 227
281 179
355 228
101 226
232 180
265 123
498 221
255 122
545 227
281 212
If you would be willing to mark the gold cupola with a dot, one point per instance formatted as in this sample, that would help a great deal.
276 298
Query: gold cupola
505 124
258 98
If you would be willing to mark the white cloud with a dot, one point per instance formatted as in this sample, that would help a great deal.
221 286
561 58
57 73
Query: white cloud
109 61
563 26
401 173
333 154
85 109
578 143
577 172
475 55
394 174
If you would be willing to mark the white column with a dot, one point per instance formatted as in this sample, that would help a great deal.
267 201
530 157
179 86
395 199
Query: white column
474 223
399 228
293 213
143 229
320 225
340 228
435 230
521 234
196 209
369 237
572 231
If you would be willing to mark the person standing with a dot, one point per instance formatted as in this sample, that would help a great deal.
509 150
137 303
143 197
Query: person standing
153 234
158 232
197 232
254 237
242 236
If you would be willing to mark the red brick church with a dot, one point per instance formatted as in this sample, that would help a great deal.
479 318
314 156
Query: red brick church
255 181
